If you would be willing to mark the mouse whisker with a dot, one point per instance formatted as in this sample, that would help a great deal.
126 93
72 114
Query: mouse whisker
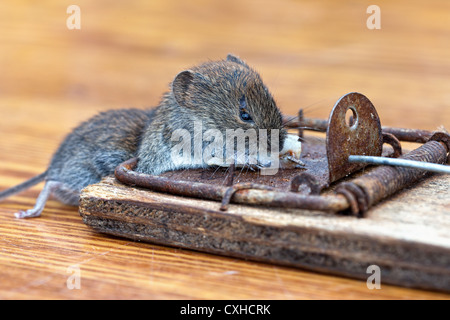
293 119
307 128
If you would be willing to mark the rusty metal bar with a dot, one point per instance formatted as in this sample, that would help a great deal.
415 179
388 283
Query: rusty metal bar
300 118
409 135
253 196
293 122
320 125
394 143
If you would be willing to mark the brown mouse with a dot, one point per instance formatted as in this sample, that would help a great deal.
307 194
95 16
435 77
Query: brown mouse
217 96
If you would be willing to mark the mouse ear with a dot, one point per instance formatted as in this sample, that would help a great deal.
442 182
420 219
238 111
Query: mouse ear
180 86
236 59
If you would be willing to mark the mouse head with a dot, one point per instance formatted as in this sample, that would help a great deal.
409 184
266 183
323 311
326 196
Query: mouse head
228 94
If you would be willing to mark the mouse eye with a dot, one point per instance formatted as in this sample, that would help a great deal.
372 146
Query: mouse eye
243 113
245 116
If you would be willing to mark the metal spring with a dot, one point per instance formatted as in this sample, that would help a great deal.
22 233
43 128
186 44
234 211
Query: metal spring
367 190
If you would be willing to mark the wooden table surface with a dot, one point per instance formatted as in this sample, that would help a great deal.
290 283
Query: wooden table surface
308 52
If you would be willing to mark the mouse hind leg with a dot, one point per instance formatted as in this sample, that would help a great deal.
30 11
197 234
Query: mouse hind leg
49 188
66 183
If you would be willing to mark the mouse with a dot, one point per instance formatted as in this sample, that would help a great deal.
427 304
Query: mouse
219 96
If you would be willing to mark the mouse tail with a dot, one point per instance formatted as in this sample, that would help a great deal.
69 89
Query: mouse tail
23 186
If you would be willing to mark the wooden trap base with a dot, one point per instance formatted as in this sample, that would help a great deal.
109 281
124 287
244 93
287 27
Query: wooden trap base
407 236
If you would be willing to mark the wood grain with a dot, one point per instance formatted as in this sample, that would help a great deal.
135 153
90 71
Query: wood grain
409 248
309 53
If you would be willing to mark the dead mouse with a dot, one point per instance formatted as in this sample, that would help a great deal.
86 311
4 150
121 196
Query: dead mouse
218 95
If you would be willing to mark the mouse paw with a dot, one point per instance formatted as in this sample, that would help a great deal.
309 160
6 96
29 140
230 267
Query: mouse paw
27 214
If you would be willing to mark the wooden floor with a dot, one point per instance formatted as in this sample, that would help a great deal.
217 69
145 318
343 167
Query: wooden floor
308 52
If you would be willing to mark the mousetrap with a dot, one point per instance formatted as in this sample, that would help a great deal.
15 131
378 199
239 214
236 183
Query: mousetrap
329 215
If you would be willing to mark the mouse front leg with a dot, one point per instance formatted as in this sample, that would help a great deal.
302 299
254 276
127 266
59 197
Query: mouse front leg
41 200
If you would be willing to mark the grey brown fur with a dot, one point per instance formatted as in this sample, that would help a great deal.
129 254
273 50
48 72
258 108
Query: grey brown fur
208 93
